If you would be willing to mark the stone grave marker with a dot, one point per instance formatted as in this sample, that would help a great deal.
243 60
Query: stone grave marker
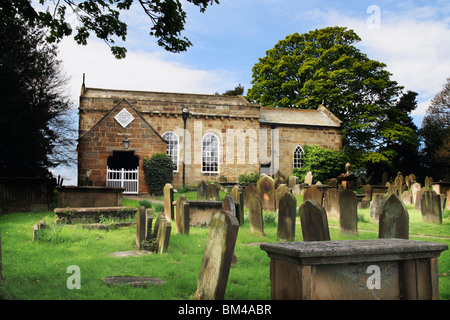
367 191
292 181
348 216
168 202
265 188
182 217
314 222
255 215
238 197
250 190
427 182
309 178
331 203
418 203
286 217
406 197
313 193
376 207
140 226
148 222
398 182
392 189
212 192
217 257
201 190
394 219
431 207
279 181
415 188
163 236
280 192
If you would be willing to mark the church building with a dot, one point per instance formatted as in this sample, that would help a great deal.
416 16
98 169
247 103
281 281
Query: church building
206 136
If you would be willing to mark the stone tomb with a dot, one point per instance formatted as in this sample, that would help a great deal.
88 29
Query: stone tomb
313 219
431 207
286 217
217 257
394 219
377 269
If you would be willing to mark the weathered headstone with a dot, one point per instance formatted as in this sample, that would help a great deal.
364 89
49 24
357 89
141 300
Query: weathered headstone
431 207
292 181
250 190
140 226
309 178
265 188
331 203
394 220
348 215
406 197
148 222
313 193
163 236
313 219
367 191
427 182
376 207
279 193
286 217
255 215
212 192
168 202
392 189
182 217
418 203
238 197
279 181
216 262
399 181
297 189
201 190
415 188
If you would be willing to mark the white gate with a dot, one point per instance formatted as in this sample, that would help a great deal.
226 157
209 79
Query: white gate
122 178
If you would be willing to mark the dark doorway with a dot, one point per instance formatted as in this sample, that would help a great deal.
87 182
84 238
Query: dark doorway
123 160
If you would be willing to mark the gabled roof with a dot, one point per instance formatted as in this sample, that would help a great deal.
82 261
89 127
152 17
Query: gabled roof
299 117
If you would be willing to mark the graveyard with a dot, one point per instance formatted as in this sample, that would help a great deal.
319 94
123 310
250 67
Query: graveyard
36 267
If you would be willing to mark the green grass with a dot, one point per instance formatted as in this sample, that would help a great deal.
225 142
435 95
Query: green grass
38 269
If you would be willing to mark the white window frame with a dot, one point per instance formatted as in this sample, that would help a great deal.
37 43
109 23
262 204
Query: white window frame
172 137
208 153
298 159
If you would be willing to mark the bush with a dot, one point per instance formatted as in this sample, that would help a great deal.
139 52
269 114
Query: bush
323 163
248 178
158 171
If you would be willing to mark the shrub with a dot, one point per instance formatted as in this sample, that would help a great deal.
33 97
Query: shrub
248 178
158 171
147 204
323 163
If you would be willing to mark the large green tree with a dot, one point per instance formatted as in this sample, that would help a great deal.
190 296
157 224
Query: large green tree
324 66
34 123
102 17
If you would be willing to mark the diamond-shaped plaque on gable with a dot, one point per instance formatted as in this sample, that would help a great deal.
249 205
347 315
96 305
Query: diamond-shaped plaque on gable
124 118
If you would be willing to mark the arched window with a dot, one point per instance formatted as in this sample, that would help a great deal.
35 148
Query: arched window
210 153
298 155
172 148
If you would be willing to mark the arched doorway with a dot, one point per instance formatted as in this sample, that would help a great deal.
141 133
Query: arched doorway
123 171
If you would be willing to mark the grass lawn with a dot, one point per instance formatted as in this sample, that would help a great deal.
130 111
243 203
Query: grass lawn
38 269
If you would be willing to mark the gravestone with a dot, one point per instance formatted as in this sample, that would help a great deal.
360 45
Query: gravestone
406 198
279 181
292 181
415 188
392 189
255 215
313 193
309 178
217 257
250 190
348 216
280 192
313 219
238 197
418 203
212 192
286 217
376 207
431 207
201 190
367 191
297 189
394 220
427 183
182 217
140 226
148 222
163 236
398 182
265 189
331 203
168 202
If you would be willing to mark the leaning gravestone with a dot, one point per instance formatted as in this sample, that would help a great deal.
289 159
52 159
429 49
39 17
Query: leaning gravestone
163 236
331 203
348 215
286 217
201 190
168 202
280 192
255 215
313 219
182 217
376 207
265 188
212 192
431 207
216 262
394 220
313 193
140 226
238 197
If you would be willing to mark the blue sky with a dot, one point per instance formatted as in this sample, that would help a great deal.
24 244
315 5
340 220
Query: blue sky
411 37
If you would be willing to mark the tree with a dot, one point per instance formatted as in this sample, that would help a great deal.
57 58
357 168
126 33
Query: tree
238 90
158 172
102 17
324 67
435 133
35 127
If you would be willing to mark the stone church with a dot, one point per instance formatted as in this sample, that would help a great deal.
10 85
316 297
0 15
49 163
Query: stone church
206 136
